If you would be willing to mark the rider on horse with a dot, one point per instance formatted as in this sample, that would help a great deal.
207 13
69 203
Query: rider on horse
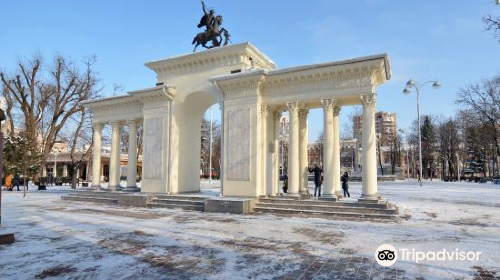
207 19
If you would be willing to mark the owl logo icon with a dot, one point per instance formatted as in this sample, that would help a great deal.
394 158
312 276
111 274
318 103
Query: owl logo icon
386 255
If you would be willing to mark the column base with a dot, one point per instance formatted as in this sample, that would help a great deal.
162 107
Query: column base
291 195
328 197
339 194
112 188
131 189
369 198
95 188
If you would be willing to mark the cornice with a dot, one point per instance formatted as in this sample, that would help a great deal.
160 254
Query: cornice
359 73
136 97
210 59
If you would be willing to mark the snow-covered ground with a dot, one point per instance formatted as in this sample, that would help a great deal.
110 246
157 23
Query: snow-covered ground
58 239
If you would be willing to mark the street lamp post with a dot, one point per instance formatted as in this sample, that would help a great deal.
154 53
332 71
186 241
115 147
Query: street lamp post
210 153
2 118
407 157
412 84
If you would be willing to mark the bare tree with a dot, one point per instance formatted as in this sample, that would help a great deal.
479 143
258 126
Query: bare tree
47 96
492 24
80 142
395 152
482 104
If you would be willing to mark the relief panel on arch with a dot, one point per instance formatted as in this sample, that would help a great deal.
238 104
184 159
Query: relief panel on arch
238 158
153 149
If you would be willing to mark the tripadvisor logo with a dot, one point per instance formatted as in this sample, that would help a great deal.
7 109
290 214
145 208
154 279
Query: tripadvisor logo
387 255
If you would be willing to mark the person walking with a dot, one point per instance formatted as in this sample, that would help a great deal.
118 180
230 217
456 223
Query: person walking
318 178
345 184
8 182
16 181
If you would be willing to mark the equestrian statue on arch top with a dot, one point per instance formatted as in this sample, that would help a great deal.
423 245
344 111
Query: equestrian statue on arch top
212 31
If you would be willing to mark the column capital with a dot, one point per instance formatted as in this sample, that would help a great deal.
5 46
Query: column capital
303 114
327 103
293 106
116 123
277 115
97 125
336 110
368 99
131 122
265 110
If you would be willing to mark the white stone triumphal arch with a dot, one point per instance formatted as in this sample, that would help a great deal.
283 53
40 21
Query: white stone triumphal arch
252 94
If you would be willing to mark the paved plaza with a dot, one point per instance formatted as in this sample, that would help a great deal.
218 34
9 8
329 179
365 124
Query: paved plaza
58 239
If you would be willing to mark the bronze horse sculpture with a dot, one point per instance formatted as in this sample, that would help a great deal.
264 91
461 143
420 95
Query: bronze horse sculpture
212 33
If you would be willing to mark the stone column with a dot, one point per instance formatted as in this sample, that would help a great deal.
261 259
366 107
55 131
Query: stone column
277 129
266 169
55 167
132 157
336 152
118 160
369 157
328 171
113 158
44 171
65 170
96 157
304 172
293 150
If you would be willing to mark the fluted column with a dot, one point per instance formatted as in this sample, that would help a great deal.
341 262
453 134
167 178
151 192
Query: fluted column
277 130
328 189
266 169
369 157
132 157
113 158
96 157
293 164
336 152
118 160
304 172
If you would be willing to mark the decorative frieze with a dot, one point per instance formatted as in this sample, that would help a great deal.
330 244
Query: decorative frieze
309 82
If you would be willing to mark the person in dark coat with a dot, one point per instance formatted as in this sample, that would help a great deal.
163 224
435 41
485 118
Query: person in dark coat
16 181
285 183
318 178
345 184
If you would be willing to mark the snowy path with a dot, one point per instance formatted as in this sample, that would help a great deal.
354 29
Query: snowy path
58 239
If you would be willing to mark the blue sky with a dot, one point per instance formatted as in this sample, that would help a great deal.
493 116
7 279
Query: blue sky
425 39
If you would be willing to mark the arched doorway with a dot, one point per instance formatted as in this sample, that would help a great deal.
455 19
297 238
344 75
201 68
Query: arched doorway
188 116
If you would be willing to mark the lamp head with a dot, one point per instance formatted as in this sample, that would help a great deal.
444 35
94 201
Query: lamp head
410 83
436 85
406 91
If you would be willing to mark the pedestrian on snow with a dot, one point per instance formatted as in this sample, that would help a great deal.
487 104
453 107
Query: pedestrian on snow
318 178
16 181
285 183
8 182
345 184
